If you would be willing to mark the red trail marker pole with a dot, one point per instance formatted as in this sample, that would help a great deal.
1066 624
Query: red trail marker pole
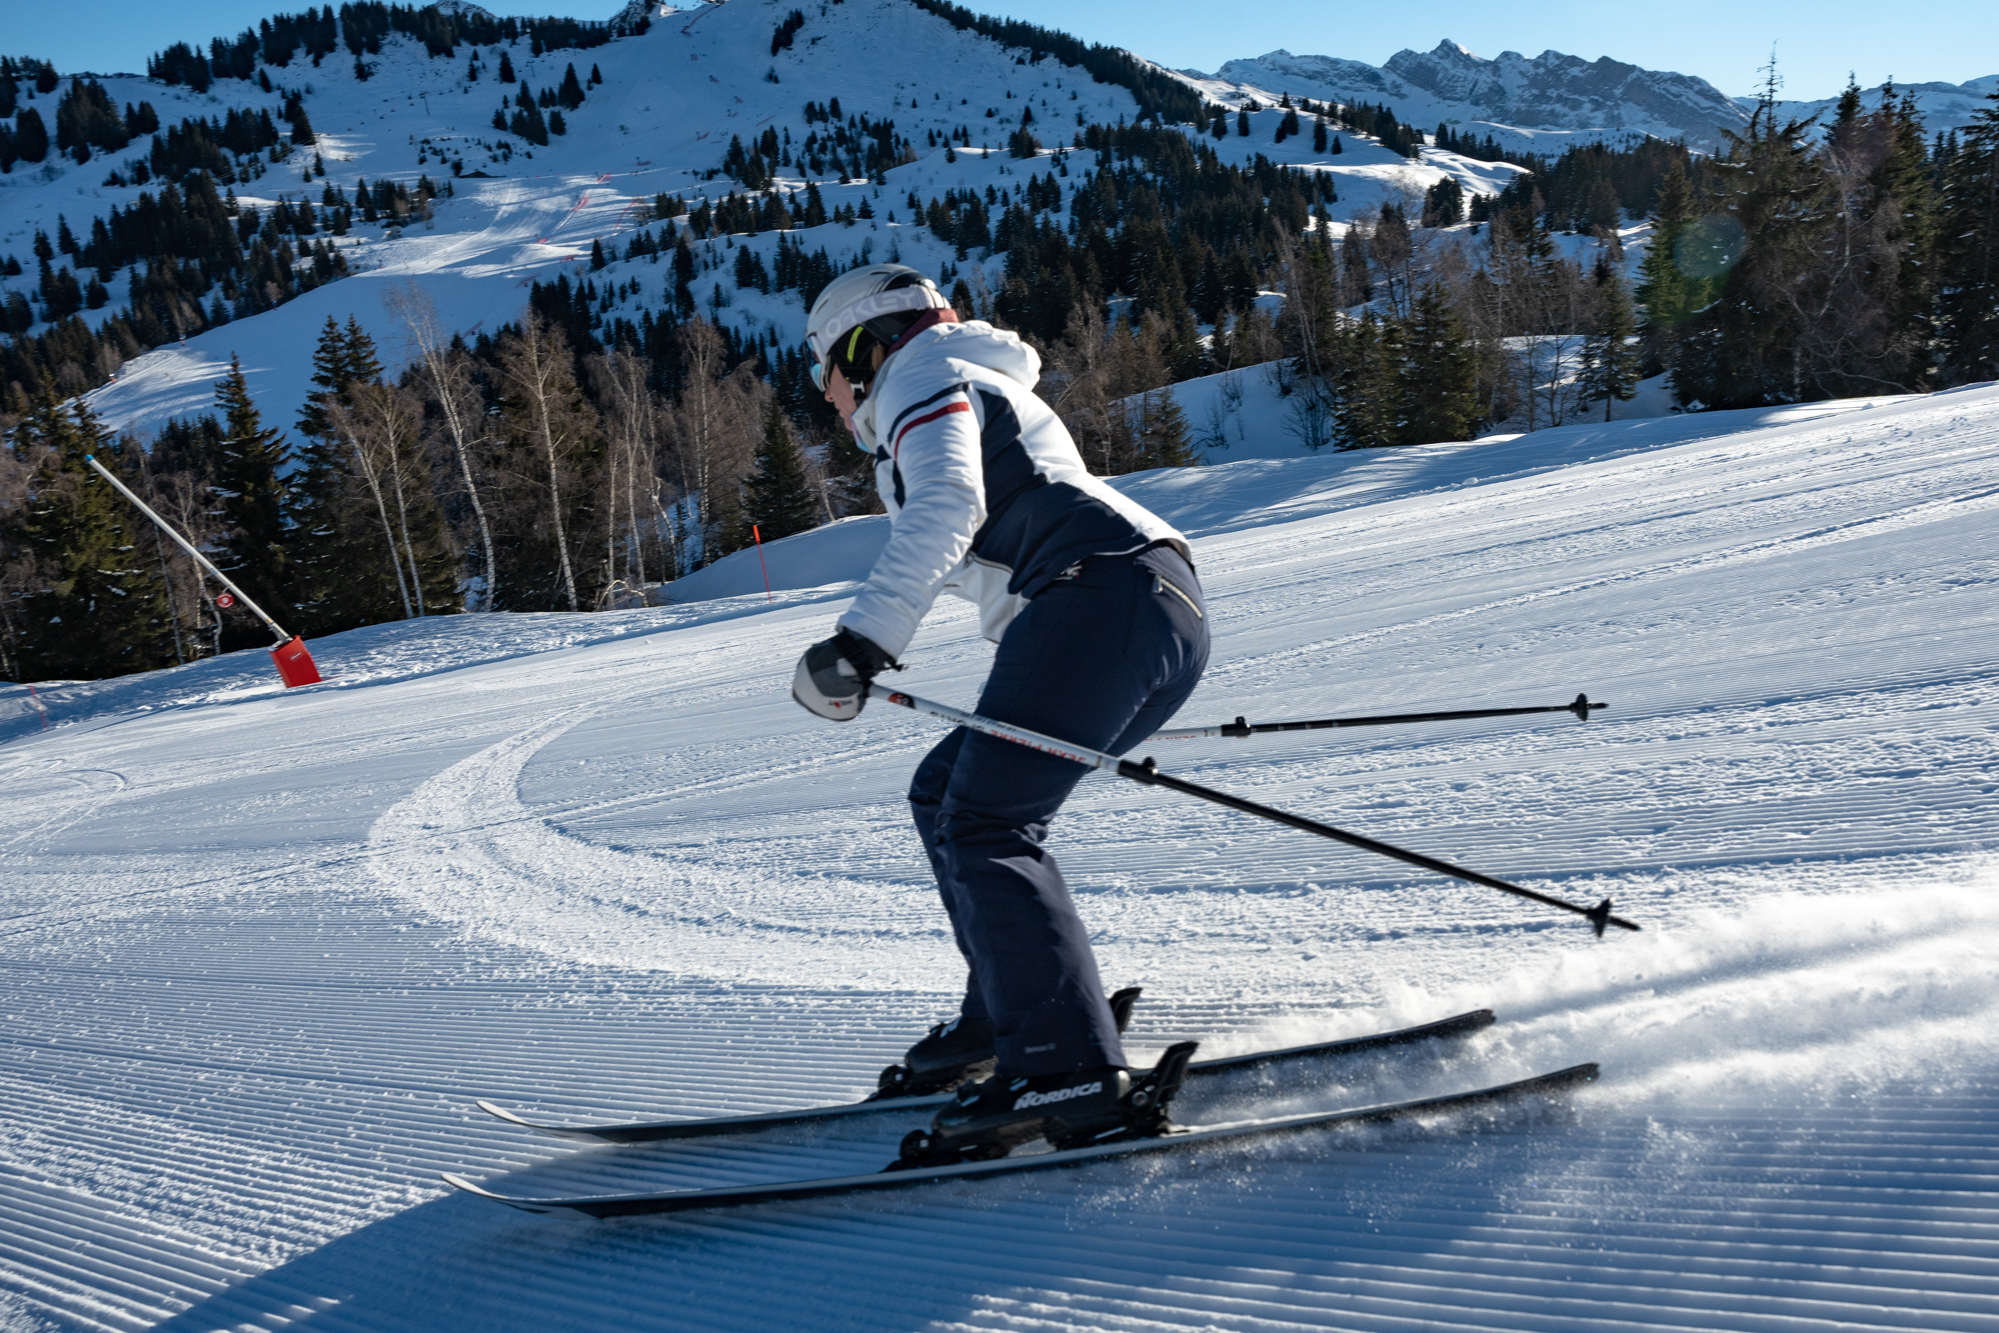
295 665
760 561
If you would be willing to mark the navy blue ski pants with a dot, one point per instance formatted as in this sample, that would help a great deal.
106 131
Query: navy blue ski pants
1100 658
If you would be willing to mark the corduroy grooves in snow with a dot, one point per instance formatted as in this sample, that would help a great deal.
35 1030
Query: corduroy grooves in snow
261 950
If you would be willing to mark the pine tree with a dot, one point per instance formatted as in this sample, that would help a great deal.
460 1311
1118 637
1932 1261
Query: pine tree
1741 350
1444 204
1832 240
1867 306
778 496
329 374
1670 296
1439 373
570 94
360 365
527 121
506 68
1369 411
100 609
1968 282
1163 438
31 136
249 481
323 509
1610 361
1902 221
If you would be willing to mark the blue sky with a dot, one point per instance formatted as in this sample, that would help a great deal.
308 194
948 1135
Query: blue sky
1723 41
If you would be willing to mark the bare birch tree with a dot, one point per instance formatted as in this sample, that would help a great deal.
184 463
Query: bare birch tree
449 381
632 481
353 428
714 428
535 365
389 419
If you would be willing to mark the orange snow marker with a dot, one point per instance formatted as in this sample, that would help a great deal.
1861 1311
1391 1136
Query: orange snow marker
760 561
294 663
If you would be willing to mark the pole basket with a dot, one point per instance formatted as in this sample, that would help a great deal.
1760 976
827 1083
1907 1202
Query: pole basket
294 663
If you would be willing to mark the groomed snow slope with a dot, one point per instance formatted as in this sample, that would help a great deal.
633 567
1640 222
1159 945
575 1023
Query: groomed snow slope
261 950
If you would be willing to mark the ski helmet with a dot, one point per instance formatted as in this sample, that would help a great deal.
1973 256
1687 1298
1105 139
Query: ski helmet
861 309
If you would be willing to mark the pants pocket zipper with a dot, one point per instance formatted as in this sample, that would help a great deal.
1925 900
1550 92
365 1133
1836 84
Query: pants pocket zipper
1163 584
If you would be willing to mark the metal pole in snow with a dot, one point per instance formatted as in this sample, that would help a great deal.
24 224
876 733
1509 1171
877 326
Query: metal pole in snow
1148 773
760 562
185 545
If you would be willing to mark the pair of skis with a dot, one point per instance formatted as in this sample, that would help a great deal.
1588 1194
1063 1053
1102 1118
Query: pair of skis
1178 1139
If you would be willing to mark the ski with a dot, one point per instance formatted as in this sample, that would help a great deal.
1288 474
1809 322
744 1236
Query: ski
1177 1140
655 1131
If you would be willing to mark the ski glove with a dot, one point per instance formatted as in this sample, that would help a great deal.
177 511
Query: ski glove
832 678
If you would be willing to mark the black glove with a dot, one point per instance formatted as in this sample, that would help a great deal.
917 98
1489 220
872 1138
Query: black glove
832 678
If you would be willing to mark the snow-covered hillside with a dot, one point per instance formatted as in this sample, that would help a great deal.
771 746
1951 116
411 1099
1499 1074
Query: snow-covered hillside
663 117
262 949
1538 105
661 121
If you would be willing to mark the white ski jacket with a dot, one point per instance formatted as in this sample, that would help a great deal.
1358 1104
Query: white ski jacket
987 496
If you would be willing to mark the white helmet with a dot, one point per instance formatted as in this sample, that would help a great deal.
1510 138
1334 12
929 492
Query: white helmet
861 300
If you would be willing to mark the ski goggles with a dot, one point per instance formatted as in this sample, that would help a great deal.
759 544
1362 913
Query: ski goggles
823 366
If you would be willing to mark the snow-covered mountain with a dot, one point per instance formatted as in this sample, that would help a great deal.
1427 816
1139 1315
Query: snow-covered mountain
670 102
672 99
1552 92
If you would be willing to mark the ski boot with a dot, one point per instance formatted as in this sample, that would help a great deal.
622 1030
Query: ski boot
1073 1110
961 1051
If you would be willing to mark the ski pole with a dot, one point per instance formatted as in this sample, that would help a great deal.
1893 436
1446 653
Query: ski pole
1582 708
1148 773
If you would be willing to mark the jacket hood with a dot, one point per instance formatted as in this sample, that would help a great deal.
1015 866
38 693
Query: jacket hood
975 341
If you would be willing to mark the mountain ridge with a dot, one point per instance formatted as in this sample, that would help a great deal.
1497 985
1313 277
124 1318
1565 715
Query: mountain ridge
1525 102
1552 92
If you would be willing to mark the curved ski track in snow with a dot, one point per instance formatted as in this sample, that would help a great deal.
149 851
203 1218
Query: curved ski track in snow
465 848
259 952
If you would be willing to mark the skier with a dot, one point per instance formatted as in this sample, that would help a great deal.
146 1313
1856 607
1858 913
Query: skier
1102 635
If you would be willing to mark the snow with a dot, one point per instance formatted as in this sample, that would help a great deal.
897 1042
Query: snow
263 948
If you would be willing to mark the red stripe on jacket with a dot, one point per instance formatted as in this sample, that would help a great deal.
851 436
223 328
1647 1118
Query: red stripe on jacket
960 406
